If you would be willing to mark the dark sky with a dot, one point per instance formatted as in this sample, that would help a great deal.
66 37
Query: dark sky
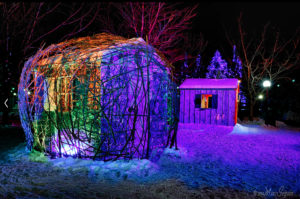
212 17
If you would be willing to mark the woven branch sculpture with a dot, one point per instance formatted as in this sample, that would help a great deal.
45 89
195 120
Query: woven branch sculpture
102 97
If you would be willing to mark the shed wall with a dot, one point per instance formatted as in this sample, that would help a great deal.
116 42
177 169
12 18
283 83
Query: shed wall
223 114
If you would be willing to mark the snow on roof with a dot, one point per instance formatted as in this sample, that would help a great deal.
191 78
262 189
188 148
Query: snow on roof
209 83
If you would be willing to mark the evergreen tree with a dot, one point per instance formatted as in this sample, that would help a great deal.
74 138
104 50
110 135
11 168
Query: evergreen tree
185 67
236 65
237 73
218 67
198 69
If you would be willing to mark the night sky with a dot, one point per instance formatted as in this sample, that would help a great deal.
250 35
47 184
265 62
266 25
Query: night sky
212 20
213 17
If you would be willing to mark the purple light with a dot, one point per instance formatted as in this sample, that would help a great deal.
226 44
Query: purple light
242 145
103 96
209 83
72 147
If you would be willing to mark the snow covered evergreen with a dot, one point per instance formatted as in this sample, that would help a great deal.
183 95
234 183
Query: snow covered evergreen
218 68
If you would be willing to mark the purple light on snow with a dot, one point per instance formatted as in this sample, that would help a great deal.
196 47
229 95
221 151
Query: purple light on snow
74 147
242 145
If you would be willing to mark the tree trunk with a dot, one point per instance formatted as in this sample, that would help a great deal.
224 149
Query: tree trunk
251 114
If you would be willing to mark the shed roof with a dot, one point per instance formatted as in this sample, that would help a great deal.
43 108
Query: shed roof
209 83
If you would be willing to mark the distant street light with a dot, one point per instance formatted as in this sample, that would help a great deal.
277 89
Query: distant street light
260 96
267 84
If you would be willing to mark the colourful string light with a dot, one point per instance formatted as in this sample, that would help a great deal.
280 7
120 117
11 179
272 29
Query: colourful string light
88 98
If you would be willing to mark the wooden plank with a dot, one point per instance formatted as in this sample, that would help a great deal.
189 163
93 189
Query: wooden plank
220 106
189 105
186 106
236 106
225 107
197 110
213 112
202 111
208 111
231 107
181 118
192 106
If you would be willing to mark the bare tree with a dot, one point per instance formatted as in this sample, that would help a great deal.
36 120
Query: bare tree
268 56
160 23
25 27
194 44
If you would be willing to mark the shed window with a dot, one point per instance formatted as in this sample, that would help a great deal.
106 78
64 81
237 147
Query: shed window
197 101
205 101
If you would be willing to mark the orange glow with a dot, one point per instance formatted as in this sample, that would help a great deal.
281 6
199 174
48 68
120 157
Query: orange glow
205 100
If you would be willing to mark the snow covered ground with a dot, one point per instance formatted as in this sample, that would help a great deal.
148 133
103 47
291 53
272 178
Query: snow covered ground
247 161
247 157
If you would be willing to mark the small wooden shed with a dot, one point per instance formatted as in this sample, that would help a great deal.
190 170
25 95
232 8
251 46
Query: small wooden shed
209 101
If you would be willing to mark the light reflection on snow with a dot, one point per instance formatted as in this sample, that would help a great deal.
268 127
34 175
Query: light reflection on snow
247 156
74 147
246 130
243 144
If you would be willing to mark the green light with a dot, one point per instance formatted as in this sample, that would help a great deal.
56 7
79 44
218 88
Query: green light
13 88
15 94
278 85
293 80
